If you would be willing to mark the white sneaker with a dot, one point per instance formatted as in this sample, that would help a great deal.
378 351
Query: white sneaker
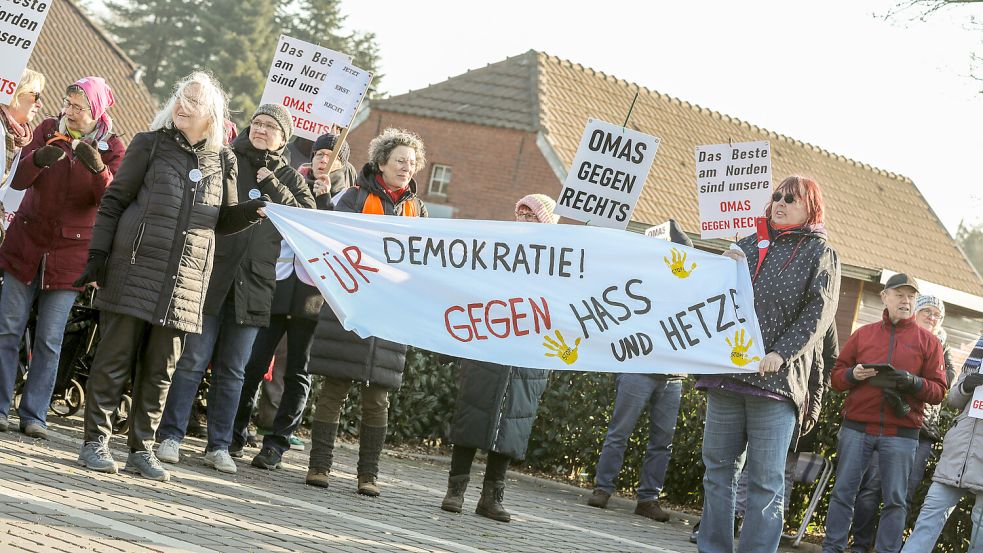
169 451
221 461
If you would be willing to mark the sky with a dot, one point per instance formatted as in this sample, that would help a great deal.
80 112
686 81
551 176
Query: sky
893 92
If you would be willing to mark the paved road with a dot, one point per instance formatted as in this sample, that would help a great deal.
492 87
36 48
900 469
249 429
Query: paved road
48 503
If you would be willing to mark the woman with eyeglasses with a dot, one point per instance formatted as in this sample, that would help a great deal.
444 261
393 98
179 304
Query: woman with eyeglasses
151 259
796 279
65 170
15 133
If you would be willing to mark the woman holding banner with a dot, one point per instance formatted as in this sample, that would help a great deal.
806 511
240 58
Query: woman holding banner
16 132
385 186
796 276
66 167
495 410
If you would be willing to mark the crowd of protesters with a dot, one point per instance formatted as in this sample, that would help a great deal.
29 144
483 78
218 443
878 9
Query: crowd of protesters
172 231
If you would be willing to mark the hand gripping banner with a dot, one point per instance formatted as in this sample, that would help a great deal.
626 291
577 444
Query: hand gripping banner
530 295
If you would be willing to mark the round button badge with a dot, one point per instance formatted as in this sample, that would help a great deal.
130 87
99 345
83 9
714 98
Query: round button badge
253 194
764 244
195 175
102 145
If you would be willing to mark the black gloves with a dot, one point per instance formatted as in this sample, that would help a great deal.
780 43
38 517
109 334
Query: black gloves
88 156
48 155
971 382
95 270
898 405
905 382
249 208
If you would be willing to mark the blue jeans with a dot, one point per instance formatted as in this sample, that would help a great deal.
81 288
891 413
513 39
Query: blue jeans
54 307
226 344
854 451
938 505
635 393
296 380
760 429
865 509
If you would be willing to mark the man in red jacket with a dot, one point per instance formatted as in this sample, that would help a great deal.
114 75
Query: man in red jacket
883 411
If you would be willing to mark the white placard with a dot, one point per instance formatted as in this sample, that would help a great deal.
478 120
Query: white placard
658 231
341 94
19 29
976 404
607 175
733 183
297 75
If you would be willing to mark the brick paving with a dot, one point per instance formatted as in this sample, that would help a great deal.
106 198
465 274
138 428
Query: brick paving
50 504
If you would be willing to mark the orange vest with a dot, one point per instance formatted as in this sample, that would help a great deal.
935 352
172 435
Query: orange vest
373 206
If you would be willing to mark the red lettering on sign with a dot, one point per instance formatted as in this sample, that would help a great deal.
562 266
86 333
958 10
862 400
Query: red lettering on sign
353 259
978 404
499 318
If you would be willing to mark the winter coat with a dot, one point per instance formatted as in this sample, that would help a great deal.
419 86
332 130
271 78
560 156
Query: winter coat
796 290
961 463
339 353
50 232
496 406
907 347
158 228
245 262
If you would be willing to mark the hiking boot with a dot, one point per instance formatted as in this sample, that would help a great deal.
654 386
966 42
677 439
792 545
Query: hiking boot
96 456
145 464
456 486
490 503
317 477
4 422
267 459
652 510
221 461
169 451
35 430
367 485
599 498
296 443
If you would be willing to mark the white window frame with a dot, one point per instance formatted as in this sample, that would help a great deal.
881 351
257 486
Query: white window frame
444 183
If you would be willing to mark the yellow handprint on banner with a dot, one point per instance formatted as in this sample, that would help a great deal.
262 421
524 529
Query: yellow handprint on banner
678 264
559 348
738 354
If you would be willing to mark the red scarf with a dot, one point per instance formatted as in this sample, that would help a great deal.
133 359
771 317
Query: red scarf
394 195
21 134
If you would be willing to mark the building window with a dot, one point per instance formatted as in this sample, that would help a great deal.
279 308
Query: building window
440 178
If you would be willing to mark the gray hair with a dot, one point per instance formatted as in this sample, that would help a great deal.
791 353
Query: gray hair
383 145
212 102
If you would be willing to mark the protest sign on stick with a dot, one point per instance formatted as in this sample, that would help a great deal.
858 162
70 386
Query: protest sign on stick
20 27
339 100
733 183
607 176
658 231
297 76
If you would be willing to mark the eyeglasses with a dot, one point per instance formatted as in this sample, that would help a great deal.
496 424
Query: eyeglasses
36 95
788 197
271 127
934 316
526 216
68 106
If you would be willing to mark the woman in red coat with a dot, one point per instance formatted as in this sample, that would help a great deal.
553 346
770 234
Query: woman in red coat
65 170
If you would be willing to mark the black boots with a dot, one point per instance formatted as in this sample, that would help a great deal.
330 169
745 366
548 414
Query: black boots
370 441
322 453
456 486
490 504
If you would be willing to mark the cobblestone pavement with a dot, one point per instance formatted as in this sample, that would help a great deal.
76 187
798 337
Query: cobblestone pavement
49 503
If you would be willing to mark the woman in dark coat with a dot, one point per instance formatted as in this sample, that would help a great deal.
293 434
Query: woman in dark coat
385 186
496 408
151 257
65 170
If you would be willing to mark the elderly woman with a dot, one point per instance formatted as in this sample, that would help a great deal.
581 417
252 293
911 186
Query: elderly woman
796 276
151 257
385 187
239 296
495 410
65 170
15 133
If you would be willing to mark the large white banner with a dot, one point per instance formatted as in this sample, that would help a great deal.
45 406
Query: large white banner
20 26
531 295
607 175
733 183
297 74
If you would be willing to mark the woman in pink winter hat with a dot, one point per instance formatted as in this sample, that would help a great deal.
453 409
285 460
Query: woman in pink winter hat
536 208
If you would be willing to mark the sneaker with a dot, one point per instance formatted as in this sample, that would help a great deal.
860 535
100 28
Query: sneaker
96 456
221 461
652 510
267 459
145 464
296 443
169 451
599 498
4 423
35 430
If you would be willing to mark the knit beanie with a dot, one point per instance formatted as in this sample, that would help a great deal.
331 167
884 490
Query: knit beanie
99 96
542 205
280 113
926 300
327 142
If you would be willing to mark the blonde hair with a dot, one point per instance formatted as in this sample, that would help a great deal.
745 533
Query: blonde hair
383 145
27 81
211 102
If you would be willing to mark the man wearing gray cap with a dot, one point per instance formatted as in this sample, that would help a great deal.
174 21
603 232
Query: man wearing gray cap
890 369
